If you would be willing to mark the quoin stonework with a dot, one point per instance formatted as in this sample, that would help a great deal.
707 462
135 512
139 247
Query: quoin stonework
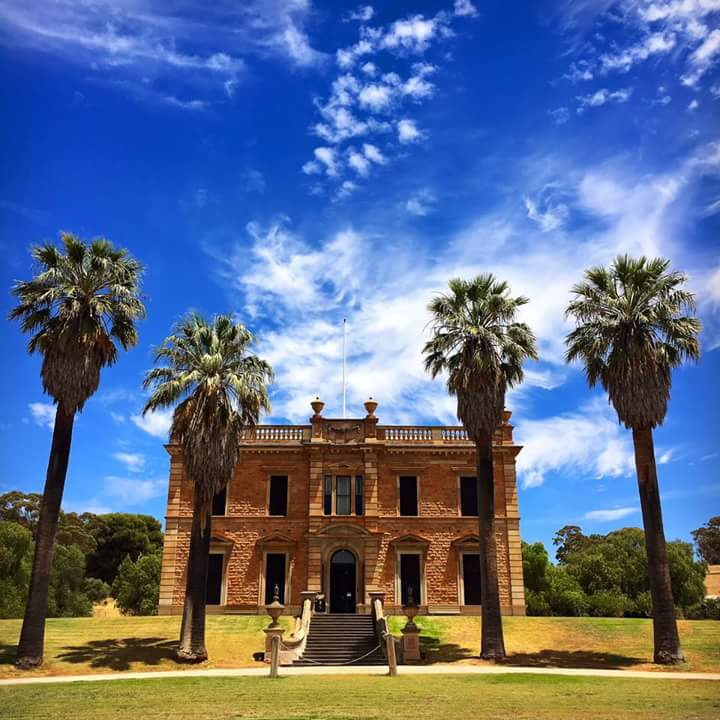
346 507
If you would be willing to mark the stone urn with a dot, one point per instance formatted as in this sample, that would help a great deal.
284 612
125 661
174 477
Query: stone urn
370 406
317 405
410 608
275 609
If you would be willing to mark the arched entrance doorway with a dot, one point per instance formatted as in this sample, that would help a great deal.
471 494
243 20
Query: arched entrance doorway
342 582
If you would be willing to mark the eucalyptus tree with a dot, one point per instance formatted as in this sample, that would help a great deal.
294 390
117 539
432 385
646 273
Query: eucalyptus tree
634 324
83 302
218 389
478 342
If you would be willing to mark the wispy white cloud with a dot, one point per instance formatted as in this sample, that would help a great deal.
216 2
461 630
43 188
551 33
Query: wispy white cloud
362 13
134 462
307 287
366 102
588 441
91 505
684 31
464 8
43 414
408 131
156 423
610 515
133 491
153 45
421 203
603 96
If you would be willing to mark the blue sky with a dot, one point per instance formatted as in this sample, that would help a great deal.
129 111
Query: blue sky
296 163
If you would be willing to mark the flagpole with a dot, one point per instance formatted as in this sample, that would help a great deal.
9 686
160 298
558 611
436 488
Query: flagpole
343 366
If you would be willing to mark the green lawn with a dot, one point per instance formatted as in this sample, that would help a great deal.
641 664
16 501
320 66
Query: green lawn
81 645
366 698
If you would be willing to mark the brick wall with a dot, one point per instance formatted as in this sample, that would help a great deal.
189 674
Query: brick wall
381 531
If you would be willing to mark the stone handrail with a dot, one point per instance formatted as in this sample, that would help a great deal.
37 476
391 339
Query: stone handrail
385 637
294 646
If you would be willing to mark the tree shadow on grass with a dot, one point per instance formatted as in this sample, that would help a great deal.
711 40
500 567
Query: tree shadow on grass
120 653
433 651
7 654
572 659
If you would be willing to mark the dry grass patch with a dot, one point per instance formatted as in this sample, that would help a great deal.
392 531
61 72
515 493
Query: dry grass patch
107 644
623 643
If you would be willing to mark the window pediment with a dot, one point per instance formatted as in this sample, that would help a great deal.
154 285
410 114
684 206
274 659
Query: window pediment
410 539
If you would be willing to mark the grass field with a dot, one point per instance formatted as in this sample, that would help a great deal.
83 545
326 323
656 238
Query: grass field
368 698
82 645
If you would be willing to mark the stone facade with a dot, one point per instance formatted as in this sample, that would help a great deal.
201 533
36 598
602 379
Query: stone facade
374 458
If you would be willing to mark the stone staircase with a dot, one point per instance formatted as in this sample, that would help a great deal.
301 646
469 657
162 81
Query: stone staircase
338 639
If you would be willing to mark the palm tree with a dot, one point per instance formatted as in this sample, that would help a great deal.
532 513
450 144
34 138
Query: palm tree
83 301
634 325
478 342
221 389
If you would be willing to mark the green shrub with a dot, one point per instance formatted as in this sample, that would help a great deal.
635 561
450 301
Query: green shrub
66 596
16 549
608 604
536 603
96 590
708 609
642 606
136 588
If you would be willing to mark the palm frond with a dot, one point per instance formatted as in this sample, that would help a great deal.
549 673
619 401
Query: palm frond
633 326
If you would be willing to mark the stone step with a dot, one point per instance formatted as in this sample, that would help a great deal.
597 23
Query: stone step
342 640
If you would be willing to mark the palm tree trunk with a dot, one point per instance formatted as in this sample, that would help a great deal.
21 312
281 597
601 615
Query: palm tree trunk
32 635
665 632
192 631
492 645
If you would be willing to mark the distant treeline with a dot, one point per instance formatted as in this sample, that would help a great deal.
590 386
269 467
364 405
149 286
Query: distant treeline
607 575
96 556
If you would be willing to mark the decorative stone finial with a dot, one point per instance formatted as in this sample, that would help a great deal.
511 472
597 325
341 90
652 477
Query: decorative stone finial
275 608
317 405
370 406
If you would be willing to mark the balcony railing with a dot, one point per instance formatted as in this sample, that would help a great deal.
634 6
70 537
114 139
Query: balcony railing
422 434
401 434
277 433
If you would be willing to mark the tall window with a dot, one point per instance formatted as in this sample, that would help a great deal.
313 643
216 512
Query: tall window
327 495
359 495
342 495
219 502
278 495
213 587
341 486
410 577
468 496
408 495
275 566
471 579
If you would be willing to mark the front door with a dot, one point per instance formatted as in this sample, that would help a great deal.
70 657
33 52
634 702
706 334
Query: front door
342 582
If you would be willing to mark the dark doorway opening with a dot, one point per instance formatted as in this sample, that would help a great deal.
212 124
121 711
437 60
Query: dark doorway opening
471 579
213 592
342 582
274 576
410 577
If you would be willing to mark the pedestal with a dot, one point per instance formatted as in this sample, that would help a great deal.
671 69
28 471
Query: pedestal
411 643
269 634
